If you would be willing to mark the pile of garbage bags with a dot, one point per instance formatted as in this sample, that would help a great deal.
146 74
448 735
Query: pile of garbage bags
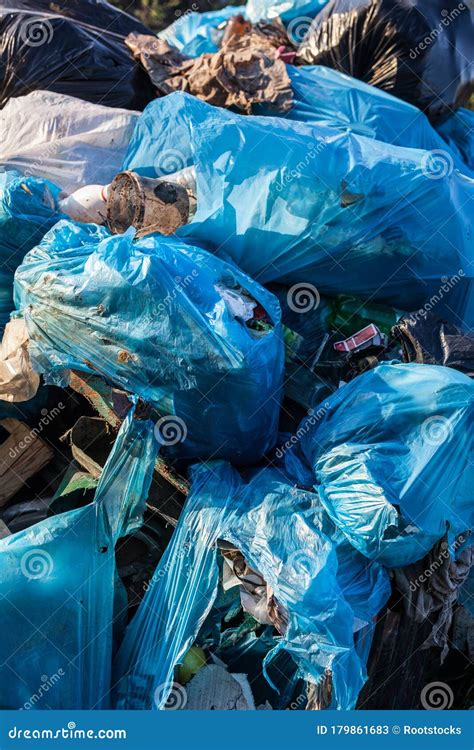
236 377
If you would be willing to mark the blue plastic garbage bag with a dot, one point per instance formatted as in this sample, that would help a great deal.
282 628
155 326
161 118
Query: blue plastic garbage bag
57 587
196 33
458 132
392 456
299 11
28 208
336 100
327 589
170 322
292 202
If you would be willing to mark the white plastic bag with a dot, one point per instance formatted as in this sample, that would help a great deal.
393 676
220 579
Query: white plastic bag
66 140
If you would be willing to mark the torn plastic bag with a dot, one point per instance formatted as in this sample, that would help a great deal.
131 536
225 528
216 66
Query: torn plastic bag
18 381
57 586
284 533
458 132
170 322
345 213
64 139
196 33
335 100
75 48
429 339
419 51
392 456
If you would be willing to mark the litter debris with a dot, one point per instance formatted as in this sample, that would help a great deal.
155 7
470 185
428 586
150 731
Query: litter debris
245 72
237 370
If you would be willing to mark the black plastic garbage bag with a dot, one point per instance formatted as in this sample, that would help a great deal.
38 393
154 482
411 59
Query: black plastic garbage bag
73 48
426 338
418 50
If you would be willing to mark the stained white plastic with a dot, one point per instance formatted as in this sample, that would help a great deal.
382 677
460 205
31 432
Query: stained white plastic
66 140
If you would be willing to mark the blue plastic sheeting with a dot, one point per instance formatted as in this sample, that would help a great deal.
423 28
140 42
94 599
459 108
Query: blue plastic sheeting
336 100
458 132
196 33
166 321
392 455
28 208
341 211
58 582
328 590
288 10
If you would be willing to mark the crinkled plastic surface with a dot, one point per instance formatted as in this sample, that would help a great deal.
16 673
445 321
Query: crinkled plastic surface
287 10
196 33
28 208
166 321
336 100
420 51
392 457
73 48
64 139
57 586
327 588
458 132
341 211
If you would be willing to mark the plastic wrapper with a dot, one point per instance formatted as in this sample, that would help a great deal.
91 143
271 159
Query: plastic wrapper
419 52
343 212
170 322
58 585
64 139
196 33
391 454
328 590
75 48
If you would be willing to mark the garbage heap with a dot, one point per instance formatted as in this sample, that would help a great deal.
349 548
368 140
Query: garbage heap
236 390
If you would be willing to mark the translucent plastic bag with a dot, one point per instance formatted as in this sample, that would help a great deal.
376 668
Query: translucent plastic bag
181 328
341 211
392 459
58 582
78 143
328 590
